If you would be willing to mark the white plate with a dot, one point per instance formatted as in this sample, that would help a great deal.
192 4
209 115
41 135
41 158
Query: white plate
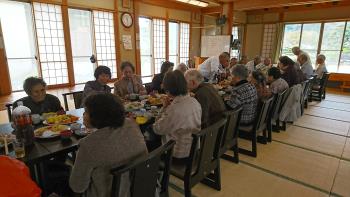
48 133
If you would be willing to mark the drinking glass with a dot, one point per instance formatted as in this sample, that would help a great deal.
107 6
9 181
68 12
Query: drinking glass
18 146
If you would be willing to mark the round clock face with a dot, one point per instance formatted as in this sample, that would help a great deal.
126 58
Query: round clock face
127 19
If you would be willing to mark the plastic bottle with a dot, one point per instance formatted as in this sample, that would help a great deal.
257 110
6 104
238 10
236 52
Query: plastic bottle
24 129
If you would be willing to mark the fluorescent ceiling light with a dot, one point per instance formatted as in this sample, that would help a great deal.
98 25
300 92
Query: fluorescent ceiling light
195 2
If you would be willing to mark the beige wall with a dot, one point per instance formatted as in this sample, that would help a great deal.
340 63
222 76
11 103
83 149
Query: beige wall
253 40
104 4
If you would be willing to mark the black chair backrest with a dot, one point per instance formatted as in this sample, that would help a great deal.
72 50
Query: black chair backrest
148 87
230 133
277 104
77 98
263 112
144 172
306 89
324 81
208 153
9 110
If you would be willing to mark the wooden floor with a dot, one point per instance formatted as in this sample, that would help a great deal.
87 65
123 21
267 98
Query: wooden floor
311 158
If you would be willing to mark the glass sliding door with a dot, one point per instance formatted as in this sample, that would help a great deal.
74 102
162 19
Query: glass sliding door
146 46
309 39
82 46
344 66
17 26
291 39
174 42
184 48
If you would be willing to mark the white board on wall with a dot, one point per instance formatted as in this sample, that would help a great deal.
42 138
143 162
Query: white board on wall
215 45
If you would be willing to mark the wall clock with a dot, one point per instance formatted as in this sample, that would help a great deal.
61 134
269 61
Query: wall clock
127 19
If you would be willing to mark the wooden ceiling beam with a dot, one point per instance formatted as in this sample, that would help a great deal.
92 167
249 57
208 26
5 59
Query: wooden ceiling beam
212 10
262 4
172 4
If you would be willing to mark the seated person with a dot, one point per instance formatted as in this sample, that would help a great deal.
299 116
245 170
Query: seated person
265 66
179 117
306 66
254 64
129 83
37 100
277 84
182 67
243 95
15 173
289 71
117 140
158 78
102 75
244 60
258 79
321 66
208 97
214 65
233 62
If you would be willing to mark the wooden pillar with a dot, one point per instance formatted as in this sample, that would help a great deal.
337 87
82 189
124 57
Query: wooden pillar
5 82
229 14
67 40
137 38
167 34
117 38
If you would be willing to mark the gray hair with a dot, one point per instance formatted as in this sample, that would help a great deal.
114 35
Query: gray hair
321 56
179 67
195 75
296 49
240 71
303 56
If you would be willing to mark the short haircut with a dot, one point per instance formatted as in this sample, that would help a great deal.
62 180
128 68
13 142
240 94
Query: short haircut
321 56
194 74
30 82
102 70
257 58
225 54
285 60
175 83
303 56
105 110
127 64
259 77
274 72
240 71
165 66
295 49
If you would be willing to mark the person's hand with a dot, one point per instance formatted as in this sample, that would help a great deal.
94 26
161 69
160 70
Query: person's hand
192 94
143 92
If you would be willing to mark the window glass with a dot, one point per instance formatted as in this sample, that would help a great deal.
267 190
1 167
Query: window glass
291 39
158 44
309 39
184 43
145 26
344 66
173 42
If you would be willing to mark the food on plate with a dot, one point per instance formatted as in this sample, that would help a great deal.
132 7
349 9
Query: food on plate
133 106
225 82
50 131
62 119
155 101
218 87
141 120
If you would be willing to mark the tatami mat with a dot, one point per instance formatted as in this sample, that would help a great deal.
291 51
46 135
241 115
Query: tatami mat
333 105
323 124
244 181
342 180
314 140
340 99
315 169
329 113
346 153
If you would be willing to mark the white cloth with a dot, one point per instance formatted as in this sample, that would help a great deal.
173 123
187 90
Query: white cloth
210 67
178 121
307 70
321 68
291 109
251 67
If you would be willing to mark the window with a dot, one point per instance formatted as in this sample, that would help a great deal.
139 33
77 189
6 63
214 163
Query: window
152 46
184 43
105 44
268 40
174 42
82 48
334 43
17 27
49 27
236 35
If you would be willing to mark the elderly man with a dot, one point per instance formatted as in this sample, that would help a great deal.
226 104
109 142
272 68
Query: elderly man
211 102
321 66
305 67
214 65
265 66
297 51
243 95
252 65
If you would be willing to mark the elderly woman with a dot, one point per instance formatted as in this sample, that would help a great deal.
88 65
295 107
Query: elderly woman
258 79
180 115
102 75
37 100
277 84
117 141
182 67
158 79
289 71
321 66
243 95
129 83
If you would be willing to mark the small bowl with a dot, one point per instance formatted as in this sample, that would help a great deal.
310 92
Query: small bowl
66 134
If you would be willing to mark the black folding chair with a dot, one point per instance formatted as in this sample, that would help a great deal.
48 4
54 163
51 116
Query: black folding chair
143 173
229 140
9 109
259 126
278 103
319 91
77 98
203 163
